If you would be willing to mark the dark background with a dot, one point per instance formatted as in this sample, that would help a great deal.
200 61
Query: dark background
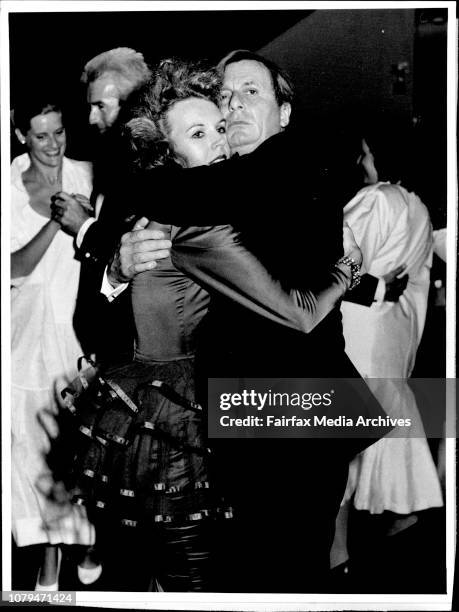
376 65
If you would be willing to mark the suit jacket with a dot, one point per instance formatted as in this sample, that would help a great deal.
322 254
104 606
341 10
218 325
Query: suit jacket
103 328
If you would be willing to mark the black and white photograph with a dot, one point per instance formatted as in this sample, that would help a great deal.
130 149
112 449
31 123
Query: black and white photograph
228 304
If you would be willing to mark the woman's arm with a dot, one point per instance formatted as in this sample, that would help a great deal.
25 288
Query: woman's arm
24 260
216 259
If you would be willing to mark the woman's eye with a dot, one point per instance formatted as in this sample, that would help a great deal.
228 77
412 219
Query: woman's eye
252 92
198 134
40 137
221 130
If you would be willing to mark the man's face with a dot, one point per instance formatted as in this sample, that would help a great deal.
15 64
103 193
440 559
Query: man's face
250 107
104 100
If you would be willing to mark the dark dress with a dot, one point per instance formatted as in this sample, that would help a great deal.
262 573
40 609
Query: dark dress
141 460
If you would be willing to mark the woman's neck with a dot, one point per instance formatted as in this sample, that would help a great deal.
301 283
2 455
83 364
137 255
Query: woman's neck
45 175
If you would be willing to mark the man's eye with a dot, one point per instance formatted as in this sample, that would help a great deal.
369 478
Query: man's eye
221 130
60 132
40 137
198 134
252 92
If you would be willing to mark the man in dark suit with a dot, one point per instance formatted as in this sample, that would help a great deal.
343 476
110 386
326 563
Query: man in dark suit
279 194
97 225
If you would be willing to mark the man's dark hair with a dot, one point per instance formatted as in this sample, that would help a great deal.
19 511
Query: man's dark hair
282 83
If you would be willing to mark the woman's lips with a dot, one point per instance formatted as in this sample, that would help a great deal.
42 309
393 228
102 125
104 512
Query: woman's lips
218 159
230 124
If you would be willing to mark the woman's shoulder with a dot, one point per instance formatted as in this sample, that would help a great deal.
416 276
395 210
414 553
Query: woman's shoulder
19 195
395 199
377 201
392 191
18 166
387 195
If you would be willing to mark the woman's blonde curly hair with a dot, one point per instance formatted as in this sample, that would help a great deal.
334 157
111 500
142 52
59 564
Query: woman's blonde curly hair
144 121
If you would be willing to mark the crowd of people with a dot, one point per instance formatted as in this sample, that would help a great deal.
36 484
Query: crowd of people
206 239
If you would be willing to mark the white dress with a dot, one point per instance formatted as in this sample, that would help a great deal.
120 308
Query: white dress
43 359
392 227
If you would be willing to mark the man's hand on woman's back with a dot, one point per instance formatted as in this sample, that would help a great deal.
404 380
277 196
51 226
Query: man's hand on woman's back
137 252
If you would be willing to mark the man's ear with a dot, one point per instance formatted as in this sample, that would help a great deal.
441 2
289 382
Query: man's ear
284 112
20 136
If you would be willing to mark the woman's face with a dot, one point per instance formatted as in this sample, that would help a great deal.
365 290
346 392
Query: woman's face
46 139
197 133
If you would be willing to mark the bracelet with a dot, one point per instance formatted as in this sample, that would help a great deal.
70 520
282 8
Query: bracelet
355 270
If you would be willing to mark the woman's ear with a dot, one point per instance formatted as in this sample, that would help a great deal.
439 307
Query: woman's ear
20 136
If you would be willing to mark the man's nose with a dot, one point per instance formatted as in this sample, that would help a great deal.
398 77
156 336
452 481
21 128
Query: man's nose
235 102
94 116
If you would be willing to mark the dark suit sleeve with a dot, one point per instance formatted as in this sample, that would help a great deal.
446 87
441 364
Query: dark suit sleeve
95 247
204 195
217 260
364 293
102 238
96 321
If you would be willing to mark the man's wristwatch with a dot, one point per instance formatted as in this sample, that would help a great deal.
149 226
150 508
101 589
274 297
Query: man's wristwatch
355 270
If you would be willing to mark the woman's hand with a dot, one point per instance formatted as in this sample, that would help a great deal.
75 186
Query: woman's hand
350 246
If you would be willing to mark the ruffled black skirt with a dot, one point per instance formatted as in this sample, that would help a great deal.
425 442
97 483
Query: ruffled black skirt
135 443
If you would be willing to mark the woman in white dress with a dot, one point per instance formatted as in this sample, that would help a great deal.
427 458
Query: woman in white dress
397 474
45 350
